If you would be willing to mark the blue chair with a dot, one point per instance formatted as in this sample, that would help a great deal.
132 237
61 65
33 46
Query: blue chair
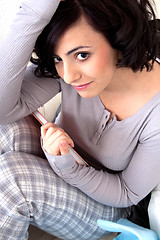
127 230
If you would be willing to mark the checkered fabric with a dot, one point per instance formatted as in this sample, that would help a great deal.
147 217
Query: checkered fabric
31 193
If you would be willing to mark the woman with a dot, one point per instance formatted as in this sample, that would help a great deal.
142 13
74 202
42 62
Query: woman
102 56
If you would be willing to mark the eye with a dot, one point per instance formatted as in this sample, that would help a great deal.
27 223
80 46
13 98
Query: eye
82 56
57 59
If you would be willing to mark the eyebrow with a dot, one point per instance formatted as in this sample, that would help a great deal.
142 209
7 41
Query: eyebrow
77 48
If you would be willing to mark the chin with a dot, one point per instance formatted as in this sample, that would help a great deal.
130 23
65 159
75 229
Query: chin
87 95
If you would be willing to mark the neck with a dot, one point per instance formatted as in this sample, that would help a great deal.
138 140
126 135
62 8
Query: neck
125 80
129 91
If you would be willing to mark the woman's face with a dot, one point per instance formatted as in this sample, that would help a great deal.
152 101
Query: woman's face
85 60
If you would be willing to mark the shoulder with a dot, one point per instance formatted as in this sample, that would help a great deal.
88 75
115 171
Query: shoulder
151 126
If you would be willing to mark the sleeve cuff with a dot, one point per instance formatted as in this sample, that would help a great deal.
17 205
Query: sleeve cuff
64 162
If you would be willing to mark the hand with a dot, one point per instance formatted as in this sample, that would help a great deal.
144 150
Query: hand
55 140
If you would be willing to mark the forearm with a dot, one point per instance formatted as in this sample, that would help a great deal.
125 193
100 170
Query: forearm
103 187
120 189
16 49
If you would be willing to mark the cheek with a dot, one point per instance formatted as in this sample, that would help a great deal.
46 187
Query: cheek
107 63
100 67
59 68
103 63
95 67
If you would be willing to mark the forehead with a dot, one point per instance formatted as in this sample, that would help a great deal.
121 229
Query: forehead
79 34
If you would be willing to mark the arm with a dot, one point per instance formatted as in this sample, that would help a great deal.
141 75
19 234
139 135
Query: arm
15 51
123 189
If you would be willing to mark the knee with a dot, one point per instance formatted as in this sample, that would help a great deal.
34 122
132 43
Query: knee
26 177
14 207
21 136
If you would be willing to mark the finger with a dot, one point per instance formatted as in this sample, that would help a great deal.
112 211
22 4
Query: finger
53 134
64 148
49 124
51 131
43 131
51 145
56 138
45 128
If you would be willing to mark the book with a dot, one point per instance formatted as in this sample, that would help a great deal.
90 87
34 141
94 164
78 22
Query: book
76 156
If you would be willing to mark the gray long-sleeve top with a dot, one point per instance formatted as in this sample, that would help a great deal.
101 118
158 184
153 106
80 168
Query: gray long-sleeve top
131 147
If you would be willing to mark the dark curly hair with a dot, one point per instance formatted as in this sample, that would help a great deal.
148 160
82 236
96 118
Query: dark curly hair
128 25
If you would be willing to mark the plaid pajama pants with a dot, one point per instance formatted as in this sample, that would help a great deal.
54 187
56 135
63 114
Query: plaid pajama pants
31 193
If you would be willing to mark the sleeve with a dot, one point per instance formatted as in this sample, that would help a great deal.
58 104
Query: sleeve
123 189
20 91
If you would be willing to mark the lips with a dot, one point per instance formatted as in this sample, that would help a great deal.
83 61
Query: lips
81 87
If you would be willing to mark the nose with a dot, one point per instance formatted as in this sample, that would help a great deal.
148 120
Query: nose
71 73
